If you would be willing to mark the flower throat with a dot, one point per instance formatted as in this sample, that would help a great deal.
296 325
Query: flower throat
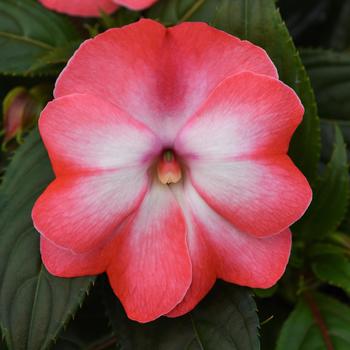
168 168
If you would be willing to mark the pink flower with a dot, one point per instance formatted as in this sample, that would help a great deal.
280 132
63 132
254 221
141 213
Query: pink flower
88 8
142 106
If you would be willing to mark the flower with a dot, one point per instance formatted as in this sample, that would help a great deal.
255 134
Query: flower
170 153
93 8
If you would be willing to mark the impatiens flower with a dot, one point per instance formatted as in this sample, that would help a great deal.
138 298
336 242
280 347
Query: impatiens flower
87 8
170 153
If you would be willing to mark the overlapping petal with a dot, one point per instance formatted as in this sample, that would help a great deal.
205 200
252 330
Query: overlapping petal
258 196
236 146
82 212
85 133
100 156
81 7
63 262
247 115
151 270
172 71
219 250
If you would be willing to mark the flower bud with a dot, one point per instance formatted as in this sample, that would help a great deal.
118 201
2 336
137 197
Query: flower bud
21 109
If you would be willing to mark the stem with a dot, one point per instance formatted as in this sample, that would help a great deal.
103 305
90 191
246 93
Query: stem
319 320
192 10
104 343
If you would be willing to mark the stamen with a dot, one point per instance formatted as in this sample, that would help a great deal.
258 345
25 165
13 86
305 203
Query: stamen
168 169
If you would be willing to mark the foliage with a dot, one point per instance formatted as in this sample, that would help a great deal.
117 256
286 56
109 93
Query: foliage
34 304
318 322
32 38
307 309
225 320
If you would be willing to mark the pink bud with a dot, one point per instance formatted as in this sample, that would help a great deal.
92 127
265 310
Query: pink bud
21 108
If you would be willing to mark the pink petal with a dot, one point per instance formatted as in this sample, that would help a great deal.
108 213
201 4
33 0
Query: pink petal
135 4
159 76
66 263
83 8
81 212
260 196
204 272
84 133
247 115
219 250
151 271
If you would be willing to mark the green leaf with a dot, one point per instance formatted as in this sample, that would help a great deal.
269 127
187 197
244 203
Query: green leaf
318 322
2 344
330 76
331 196
265 293
259 22
333 269
119 18
28 34
90 329
225 320
34 304
57 56
320 249
340 39
171 12
328 139
273 312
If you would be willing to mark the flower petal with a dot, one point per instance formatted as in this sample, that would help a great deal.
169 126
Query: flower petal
219 250
84 8
66 263
151 270
247 115
160 76
261 196
84 133
135 4
81 212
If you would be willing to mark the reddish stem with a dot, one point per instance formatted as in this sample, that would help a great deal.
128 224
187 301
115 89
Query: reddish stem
105 344
319 320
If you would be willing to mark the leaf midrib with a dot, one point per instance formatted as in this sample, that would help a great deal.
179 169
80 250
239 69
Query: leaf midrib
196 333
26 40
39 280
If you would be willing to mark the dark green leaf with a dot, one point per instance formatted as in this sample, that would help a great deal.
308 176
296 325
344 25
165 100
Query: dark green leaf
34 304
341 34
331 196
71 342
333 269
273 312
320 249
330 76
259 22
28 34
90 328
56 56
225 320
171 12
318 322
265 293
2 344
119 18
328 139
